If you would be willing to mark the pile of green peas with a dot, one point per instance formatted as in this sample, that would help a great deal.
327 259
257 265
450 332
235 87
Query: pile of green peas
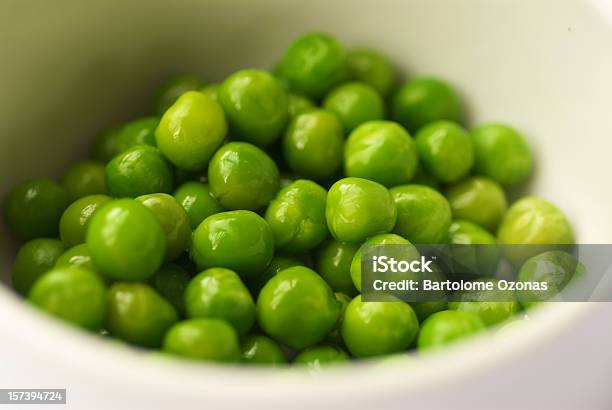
227 225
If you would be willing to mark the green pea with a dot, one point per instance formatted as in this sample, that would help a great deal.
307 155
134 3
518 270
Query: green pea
427 308
382 239
83 179
423 215
533 220
448 326
170 282
191 130
297 217
358 208
203 339
242 176
313 64
219 293
478 199
140 131
198 202
312 146
373 68
238 240
173 89
378 328
75 219
501 153
106 145
174 221
492 306
283 302
138 314
261 350
138 171
333 262
211 91
298 104
76 256
424 100
126 240
33 260
277 264
381 151
33 209
446 150
317 357
355 103
555 268
73 294
462 232
256 106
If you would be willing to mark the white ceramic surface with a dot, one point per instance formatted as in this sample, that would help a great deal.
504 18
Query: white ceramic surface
71 68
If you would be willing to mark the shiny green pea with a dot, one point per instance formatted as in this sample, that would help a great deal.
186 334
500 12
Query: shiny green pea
75 219
140 131
333 262
373 68
448 326
261 350
203 339
355 103
198 201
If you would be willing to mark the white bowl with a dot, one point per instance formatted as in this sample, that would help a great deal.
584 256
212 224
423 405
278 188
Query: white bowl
72 68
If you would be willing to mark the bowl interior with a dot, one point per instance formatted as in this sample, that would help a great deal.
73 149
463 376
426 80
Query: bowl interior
72 69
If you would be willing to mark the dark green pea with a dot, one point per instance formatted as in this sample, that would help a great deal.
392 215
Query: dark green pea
139 171
256 106
73 294
298 104
358 208
317 357
219 293
423 215
75 219
138 314
170 282
378 328
355 103
203 339
335 337
492 306
198 201
242 176
261 350
106 145
174 221
333 262
501 153
297 217
448 326
126 240
277 264
478 199
312 146
191 130
238 240
373 68
83 179
173 89
33 209
555 268
34 259
313 64
211 91
381 151
76 256
424 100
282 305
140 131
445 150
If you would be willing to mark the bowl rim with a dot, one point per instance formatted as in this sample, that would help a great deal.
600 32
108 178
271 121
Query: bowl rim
122 364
